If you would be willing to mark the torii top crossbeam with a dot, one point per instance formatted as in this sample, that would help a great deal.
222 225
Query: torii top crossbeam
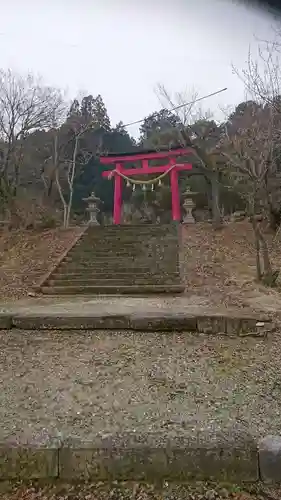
171 166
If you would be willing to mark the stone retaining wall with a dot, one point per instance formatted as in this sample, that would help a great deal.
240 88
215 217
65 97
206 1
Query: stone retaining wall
117 458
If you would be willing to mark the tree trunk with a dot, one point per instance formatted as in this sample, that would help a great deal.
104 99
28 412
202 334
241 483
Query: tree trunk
266 275
64 204
216 215
68 208
70 177
257 244
274 219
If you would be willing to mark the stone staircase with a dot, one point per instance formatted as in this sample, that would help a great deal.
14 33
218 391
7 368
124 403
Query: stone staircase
127 259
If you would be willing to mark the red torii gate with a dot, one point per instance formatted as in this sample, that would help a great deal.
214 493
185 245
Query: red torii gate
171 167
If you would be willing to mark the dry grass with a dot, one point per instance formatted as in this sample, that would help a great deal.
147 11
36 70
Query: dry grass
220 265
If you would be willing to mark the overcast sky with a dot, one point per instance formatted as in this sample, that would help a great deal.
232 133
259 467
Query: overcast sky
121 49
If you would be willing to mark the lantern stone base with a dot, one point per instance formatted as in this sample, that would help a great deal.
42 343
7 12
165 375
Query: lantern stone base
188 207
93 219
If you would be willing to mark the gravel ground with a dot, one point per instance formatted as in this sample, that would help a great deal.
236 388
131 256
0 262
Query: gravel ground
136 491
88 384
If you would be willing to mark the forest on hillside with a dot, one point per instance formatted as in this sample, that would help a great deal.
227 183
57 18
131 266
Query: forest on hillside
50 150
49 153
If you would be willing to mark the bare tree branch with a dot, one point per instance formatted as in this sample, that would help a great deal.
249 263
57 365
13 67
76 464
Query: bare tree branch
26 105
65 165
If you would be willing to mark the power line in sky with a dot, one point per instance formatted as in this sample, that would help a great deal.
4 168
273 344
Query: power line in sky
181 106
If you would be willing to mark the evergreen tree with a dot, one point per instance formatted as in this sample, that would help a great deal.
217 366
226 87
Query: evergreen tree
74 109
156 124
99 114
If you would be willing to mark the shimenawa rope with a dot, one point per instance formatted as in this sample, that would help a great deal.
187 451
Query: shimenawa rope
139 182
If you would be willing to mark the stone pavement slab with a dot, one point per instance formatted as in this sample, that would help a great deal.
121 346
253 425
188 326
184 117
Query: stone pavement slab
104 304
131 313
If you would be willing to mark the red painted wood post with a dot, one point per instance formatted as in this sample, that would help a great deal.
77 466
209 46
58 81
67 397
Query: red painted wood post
176 212
117 209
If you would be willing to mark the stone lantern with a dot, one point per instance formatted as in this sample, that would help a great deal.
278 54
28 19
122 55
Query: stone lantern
188 206
92 208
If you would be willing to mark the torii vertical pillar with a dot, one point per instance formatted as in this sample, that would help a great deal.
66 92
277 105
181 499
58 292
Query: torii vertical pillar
176 211
117 207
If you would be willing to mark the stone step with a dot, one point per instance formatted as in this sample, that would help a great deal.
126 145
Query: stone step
101 271
107 272
128 281
120 265
136 240
127 228
126 259
116 247
127 235
141 241
114 254
141 246
150 254
125 239
112 259
98 257
116 276
98 274
104 254
103 250
121 262
112 290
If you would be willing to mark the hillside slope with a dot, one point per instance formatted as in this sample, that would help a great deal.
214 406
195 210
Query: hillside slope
220 265
25 256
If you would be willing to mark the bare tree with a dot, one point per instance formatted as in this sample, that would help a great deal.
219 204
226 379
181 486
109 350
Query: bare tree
262 75
201 140
262 81
188 113
67 153
248 146
26 105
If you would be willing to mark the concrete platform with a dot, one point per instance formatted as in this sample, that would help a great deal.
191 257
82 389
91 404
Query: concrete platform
130 313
